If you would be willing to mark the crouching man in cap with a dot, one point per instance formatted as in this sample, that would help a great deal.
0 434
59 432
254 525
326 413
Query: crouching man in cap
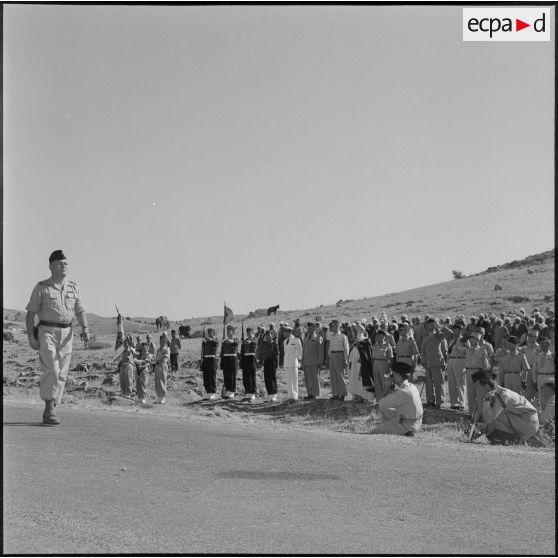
508 416
401 407
55 301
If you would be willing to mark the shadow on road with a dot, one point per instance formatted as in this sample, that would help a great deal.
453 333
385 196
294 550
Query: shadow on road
24 424
275 475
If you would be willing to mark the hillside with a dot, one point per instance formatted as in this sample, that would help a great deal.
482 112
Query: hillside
528 282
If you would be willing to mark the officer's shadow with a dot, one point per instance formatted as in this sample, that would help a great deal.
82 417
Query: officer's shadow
23 424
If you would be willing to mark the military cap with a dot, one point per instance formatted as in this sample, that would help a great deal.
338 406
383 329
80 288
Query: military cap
334 322
483 374
231 328
457 325
56 255
249 329
287 328
309 324
476 335
512 339
381 332
210 330
402 368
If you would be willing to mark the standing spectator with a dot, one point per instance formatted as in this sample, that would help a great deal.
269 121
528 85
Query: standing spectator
248 350
514 367
280 341
161 369
175 346
475 359
500 332
457 348
150 345
126 370
434 356
360 366
268 355
471 326
312 360
293 354
406 349
544 370
272 332
531 350
229 362
144 370
297 331
419 330
338 361
382 357
208 364
55 301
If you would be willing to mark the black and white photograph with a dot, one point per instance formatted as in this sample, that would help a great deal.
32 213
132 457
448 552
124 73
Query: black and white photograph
278 278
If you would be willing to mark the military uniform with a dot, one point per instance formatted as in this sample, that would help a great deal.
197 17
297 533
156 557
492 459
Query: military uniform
507 414
382 356
208 365
126 371
514 367
161 370
434 354
338 353
268 355
544 370
248 350
229 364
476 359
531 351
55 307
401 411
456 372
293 354
175 346
312 360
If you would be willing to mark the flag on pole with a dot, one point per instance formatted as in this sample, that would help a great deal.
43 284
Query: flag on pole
120 334
228 315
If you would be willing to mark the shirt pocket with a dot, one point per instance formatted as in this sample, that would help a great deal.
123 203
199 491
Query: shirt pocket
53 299
70 301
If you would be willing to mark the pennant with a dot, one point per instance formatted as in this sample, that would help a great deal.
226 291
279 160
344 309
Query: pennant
228 316
120 334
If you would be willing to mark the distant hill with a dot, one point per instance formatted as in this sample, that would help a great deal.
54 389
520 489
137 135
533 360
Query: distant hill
528 282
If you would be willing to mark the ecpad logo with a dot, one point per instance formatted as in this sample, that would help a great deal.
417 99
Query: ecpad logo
506 24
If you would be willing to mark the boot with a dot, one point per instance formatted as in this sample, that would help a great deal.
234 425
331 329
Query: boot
49 416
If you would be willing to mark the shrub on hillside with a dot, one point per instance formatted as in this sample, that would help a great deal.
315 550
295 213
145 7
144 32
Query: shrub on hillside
457 274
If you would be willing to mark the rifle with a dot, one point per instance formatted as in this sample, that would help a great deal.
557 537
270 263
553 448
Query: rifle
474 421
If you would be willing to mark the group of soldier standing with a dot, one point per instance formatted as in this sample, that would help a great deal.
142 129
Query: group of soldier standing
507 361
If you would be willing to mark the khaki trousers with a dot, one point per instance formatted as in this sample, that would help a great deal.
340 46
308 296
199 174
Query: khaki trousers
392 423
55 353
126 379
336 371
312 379
456 381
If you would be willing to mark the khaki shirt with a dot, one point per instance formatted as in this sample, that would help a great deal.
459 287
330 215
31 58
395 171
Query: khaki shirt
545 365
405 399
476 358
54 304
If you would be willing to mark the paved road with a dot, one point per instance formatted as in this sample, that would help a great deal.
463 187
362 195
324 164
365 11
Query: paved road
111 482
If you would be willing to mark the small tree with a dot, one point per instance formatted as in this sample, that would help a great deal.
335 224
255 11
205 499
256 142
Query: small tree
457 274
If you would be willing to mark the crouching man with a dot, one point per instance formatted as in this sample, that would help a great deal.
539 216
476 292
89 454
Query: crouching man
508 416
400 407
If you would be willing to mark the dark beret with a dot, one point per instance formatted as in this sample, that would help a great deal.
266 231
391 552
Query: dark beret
402 368
56 255
381 332
512 339
486 374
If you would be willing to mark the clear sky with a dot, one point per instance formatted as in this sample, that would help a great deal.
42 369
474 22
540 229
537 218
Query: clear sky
183 156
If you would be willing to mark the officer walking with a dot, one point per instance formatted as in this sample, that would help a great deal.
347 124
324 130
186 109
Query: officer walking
55 301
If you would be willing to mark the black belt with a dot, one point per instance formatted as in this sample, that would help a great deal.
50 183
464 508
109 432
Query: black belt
334 352
54 324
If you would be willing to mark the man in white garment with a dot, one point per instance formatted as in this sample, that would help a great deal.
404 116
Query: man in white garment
293 354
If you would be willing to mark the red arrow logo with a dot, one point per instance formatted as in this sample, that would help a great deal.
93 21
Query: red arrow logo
519 25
